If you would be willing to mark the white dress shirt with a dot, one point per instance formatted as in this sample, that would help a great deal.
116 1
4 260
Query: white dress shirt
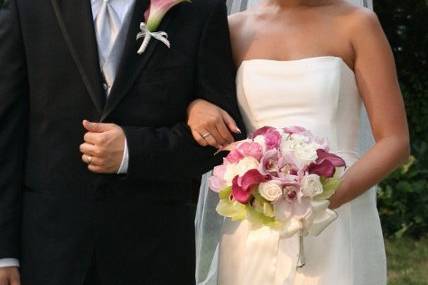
122 8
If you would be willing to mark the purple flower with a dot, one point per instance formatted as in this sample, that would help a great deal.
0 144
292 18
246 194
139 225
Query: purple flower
269 163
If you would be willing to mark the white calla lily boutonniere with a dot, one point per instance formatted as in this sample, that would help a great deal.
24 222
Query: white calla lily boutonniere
153 18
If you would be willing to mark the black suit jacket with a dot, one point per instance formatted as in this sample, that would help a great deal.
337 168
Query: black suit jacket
137 227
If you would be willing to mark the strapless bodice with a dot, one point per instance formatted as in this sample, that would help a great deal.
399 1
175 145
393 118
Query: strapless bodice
317 93
321 95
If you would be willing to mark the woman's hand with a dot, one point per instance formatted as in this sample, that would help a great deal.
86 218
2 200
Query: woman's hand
210 124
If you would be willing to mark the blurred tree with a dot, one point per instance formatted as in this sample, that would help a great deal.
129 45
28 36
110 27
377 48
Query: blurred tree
403 196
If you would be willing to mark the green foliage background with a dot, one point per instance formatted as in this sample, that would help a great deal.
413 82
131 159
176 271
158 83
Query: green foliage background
403 197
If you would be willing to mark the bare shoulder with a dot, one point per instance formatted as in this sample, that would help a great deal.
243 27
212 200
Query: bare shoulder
359 19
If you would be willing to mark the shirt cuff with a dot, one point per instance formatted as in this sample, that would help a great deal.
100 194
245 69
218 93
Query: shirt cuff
9 262
123 169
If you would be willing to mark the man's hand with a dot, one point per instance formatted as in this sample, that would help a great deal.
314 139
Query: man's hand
103 147
210 124
9 276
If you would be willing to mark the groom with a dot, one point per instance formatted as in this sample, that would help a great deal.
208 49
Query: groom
108 202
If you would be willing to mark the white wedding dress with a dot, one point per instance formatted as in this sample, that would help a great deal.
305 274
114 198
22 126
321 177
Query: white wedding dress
321 95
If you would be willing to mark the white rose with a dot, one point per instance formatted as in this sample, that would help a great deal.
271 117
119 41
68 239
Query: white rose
240 168
307 153
311 185
304 152
271 191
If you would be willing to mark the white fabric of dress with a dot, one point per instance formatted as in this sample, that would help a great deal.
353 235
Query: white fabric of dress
321 95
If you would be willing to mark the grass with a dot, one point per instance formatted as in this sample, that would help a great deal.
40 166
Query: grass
407 261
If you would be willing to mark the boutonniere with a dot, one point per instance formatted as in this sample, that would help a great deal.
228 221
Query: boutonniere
153 17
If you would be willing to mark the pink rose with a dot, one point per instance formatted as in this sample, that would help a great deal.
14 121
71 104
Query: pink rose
251 149
234 156
216 181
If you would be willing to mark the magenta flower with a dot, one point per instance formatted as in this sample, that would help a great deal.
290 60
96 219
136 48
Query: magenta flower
326 164
262 131
243 186
157 10
334 159
273 139
271 135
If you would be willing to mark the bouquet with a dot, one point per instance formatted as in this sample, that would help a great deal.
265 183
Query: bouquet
280 178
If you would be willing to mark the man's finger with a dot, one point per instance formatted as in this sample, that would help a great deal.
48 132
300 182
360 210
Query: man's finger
96 169
230 122
94 138
97 127
88 149
93 160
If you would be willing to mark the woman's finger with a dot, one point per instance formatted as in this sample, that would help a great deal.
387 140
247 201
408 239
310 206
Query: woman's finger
209 138
199 139
217 136
224 132
230 122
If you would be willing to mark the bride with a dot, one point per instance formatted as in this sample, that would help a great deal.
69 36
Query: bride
311 63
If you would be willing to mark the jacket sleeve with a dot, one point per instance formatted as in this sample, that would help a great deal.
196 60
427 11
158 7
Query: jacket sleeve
13 127
172 152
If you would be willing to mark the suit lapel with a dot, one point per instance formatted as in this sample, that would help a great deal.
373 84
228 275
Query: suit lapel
76 23
132 63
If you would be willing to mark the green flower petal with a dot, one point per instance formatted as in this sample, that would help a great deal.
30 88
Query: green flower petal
225 193
232 209
260 219
330 186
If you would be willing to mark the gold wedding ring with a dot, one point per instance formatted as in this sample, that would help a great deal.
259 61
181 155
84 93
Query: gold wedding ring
206 135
